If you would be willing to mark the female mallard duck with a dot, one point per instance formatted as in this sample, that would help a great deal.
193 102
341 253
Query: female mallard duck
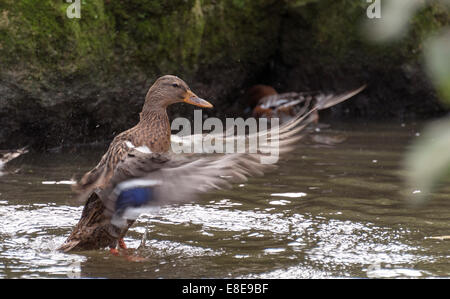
266 102
138 170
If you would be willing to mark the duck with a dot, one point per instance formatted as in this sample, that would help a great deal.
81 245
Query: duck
265 102
8 155
139 172
153 132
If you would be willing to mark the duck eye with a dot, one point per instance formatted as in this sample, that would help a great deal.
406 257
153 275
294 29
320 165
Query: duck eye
175 85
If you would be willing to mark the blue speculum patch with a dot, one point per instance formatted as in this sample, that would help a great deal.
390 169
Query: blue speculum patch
135 198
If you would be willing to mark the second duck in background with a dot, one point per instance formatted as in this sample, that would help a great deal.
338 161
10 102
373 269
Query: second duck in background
266 102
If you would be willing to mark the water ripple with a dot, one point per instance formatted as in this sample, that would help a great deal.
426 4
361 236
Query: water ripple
326 212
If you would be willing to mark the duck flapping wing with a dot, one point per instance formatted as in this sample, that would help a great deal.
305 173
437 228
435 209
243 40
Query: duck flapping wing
144 180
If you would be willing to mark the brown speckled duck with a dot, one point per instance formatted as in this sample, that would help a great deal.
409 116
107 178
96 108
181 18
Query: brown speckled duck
153 132
266 102
8 155
139 171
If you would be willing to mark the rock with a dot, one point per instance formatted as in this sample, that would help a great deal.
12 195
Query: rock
66 81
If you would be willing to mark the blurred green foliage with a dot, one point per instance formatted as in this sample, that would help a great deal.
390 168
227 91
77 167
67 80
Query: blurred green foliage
174 36
437 54
36 36
428 161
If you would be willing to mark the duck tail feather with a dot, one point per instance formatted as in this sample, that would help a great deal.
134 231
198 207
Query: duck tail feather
68 246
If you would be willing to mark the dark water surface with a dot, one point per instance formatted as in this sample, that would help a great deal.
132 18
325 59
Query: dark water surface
327 211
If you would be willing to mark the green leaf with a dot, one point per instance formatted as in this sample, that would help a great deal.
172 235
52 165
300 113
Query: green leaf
429 159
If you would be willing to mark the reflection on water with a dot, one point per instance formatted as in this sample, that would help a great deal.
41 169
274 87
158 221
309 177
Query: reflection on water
327 211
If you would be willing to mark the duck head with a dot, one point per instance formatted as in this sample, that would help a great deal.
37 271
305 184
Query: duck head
169 90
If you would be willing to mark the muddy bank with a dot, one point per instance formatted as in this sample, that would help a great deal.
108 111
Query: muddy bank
66 81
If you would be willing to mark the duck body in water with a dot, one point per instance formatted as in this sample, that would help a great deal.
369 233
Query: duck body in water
94 229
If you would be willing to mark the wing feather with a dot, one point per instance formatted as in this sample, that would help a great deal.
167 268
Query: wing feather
176 178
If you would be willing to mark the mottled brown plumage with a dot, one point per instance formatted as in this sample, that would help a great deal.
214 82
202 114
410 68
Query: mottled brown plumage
152 131
94 229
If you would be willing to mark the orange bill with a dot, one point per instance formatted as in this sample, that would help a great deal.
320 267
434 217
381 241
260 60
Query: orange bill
193 99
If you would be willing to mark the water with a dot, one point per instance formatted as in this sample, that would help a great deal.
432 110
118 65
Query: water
328 211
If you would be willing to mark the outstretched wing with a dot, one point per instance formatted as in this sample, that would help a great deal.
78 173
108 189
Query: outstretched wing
100 174
146 180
